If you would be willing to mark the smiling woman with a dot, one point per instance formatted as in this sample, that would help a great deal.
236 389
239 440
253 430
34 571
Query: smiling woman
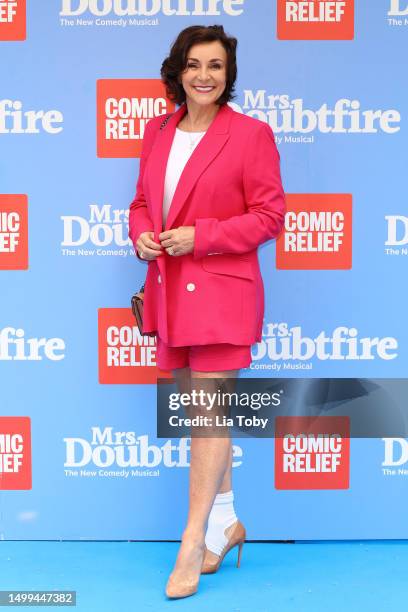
203 89
210 195
191 66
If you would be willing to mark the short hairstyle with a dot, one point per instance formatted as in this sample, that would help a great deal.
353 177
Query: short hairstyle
176 62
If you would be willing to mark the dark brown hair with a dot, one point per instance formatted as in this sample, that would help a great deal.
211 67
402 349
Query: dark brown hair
176 62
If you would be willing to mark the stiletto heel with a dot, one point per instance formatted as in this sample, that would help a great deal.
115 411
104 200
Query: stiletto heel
240 545
236 538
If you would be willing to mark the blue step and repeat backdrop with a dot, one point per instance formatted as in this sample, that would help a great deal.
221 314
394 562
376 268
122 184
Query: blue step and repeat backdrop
79 452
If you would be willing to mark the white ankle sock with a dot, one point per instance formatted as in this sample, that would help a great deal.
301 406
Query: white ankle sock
221 517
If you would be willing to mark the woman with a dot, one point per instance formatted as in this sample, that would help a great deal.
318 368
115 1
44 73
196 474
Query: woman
204 297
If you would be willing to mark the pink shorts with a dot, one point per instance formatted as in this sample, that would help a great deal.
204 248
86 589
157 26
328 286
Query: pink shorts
203 358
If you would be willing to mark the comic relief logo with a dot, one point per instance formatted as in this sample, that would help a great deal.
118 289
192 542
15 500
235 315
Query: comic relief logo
315 20
312 452
133 455
124 106
12 19
13 232
397 235
317 233
398 9
287 348
297 123
15 453
125 356
395 457
103 232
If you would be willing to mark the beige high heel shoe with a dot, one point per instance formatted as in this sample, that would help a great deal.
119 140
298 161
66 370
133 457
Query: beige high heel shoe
175 589
235 538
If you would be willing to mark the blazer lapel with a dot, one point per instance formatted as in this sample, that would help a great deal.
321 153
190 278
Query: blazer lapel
209 146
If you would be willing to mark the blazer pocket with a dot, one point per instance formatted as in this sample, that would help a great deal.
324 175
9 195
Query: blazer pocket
231 266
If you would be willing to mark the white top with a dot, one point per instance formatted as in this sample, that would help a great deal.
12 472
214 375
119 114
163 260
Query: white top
179 155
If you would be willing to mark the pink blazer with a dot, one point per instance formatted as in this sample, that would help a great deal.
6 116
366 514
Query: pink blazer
231 191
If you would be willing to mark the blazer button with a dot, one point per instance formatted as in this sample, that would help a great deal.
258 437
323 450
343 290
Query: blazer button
190 286
159 278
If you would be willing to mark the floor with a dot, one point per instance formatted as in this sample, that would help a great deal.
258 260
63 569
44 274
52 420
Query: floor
131 576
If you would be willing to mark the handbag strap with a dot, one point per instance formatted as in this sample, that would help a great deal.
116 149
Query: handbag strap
162 125
165 121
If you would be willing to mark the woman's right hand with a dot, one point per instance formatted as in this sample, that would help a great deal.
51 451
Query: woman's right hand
148 249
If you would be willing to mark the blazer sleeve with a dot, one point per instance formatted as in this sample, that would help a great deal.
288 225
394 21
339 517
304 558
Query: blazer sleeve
265 200
139 218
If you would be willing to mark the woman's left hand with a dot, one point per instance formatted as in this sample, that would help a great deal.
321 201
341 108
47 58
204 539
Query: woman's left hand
179 241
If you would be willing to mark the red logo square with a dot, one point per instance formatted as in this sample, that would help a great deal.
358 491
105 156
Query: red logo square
124 107
15 453
312 452
125 356
12 19
315 20
13 232
317 234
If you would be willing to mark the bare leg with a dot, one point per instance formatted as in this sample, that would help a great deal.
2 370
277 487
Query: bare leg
209 468
226 484
182 377
183 380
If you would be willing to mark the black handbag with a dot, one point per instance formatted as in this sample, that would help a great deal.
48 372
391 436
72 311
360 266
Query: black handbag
138 297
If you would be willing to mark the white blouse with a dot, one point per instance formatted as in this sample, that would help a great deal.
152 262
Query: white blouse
179 155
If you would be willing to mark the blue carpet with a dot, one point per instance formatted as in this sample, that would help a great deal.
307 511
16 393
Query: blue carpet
131 576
